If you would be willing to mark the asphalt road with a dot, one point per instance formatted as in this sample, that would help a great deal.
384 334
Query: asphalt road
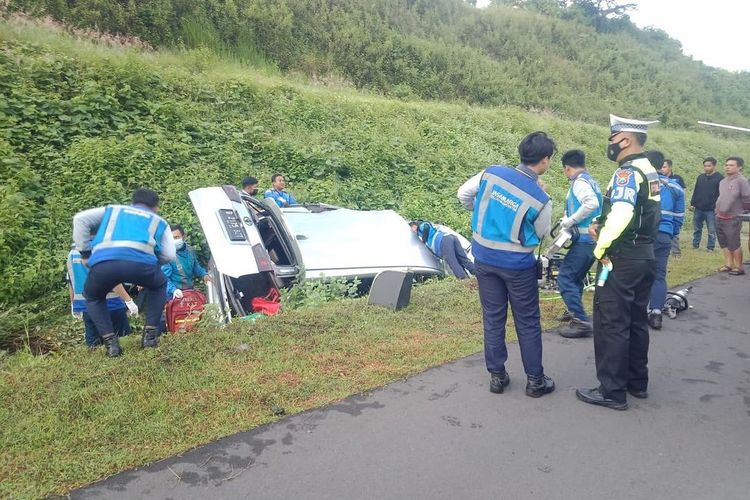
441 434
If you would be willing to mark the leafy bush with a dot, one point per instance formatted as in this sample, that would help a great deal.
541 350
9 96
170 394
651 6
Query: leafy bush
313 293
85 124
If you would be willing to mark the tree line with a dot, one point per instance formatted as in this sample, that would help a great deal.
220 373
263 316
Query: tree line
576 58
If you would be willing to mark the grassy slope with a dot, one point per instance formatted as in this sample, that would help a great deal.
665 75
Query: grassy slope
198 120
60 412
75 417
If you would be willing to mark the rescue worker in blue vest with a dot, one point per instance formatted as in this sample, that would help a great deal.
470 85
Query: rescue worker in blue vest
582 205
511 215
625 248
185 268
444 246
277 193
672 216
130 243
119 303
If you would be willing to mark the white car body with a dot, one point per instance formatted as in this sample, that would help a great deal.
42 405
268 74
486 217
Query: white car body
256 246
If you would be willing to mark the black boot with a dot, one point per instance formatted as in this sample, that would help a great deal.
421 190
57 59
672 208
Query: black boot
595 397
539 386
576 329
654 320
150 337
498 382
112 345
564 317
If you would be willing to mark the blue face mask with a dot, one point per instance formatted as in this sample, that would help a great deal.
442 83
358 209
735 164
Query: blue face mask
179 244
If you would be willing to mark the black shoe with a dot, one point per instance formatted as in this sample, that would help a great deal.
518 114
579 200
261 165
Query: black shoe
595 397
576 329
150 337
112 345
564 317
654 320
498 382
638 394
539 386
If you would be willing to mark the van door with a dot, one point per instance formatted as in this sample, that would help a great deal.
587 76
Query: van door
231 234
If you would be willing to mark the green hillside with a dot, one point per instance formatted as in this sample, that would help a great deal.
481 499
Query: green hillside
84 123
566 58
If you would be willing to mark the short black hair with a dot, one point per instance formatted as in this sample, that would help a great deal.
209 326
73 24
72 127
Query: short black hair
710 159
738 159
655 157
574 158
275 176
177 227
535 147
249 181
640 137
668 162
143 196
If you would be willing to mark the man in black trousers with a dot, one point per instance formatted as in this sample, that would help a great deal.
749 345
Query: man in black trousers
625 246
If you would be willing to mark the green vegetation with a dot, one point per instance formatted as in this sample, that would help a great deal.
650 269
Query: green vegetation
72 418
567 57
86 118
85 123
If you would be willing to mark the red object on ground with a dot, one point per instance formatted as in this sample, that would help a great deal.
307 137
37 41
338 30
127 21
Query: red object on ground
270 304
184 313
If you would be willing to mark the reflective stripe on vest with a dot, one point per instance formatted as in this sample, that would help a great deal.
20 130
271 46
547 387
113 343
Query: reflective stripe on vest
527 202
673 214
108 238
77 274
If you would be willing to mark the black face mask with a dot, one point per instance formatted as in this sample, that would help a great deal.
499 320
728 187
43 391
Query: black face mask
253 192
613 150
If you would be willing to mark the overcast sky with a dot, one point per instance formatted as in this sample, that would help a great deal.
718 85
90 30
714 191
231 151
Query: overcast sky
713 31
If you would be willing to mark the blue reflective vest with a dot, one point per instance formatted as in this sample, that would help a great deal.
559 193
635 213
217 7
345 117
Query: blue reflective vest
431 236
77 274
672 206
506 207
572 204
282 198
128 233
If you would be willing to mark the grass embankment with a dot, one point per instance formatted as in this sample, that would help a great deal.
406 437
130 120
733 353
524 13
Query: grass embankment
74 417
85 124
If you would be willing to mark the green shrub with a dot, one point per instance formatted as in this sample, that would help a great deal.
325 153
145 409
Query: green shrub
84 125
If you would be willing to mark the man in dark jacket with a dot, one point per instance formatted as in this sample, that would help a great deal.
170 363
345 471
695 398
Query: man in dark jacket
703 203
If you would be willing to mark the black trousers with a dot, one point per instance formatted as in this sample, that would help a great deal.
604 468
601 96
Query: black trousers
104 276
621 327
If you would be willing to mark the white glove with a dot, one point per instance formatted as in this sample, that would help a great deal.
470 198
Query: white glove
177 294
567 222
76 315
132 308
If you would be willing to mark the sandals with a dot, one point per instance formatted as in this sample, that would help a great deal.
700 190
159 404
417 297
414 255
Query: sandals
737 272
724 269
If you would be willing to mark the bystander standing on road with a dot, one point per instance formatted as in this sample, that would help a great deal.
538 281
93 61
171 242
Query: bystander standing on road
703 203
511 215
734 198
625 247
672 205
583 204
667 170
